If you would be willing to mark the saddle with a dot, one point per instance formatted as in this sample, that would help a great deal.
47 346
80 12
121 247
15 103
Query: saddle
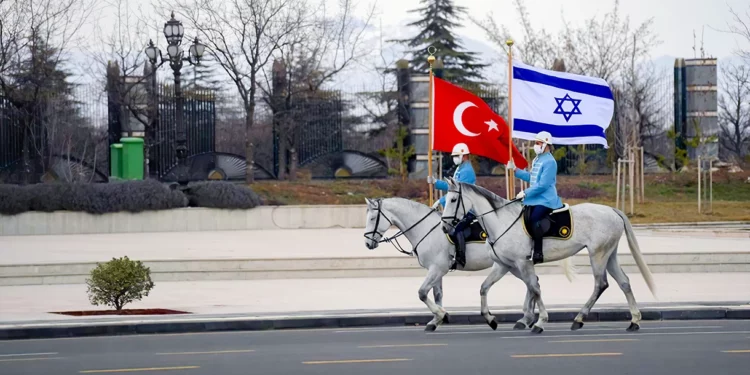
477 234
557 225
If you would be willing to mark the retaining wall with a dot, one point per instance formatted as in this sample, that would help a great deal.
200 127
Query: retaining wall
185 220
212 219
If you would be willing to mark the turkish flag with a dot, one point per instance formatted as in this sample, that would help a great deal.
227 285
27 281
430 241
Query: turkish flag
462 117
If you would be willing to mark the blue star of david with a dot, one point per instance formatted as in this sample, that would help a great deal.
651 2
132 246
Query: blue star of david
560 110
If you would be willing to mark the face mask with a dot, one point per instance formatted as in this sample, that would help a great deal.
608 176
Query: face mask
456 160
537 149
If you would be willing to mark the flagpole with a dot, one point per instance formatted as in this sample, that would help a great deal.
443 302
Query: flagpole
510 178
430 60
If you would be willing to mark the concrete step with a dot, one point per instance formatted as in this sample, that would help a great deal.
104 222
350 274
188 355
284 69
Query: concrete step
301 268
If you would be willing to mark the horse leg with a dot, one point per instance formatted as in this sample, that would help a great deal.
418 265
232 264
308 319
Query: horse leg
532 284
497 273
598 268
528 306
433 275
437 294
613 266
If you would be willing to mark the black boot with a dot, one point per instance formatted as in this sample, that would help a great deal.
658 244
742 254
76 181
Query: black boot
536 255
461 247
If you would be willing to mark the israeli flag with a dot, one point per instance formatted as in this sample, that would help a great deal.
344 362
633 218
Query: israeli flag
574 109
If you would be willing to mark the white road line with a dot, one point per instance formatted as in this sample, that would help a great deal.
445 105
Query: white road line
26 354
30 359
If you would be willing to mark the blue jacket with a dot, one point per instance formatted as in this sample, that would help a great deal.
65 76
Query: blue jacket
464 173
543 178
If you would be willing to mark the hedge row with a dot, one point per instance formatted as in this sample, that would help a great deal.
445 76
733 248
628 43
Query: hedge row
129 196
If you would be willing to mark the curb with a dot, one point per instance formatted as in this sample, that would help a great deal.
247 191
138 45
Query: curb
347 321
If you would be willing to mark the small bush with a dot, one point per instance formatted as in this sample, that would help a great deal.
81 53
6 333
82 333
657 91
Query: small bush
221 194
119 282
130 196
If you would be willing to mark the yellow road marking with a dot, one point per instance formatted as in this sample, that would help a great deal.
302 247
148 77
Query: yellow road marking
140 369
602 340
215 352
355 361
400 346
736 351
565 355
26 354
29 359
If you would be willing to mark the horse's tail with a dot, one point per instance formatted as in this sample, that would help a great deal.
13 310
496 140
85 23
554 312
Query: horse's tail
635 250
569 270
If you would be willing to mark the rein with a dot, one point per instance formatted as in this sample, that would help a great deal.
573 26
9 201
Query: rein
393 240
492 243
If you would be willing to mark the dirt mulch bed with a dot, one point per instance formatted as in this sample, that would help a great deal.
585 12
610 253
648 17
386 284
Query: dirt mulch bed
122 312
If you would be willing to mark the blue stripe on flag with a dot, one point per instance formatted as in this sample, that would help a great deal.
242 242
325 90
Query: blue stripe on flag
559 131
562 83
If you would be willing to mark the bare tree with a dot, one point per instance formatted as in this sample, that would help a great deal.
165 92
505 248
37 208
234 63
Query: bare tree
315 53
734 110
35 38
605 48
740 26
537 47
242 37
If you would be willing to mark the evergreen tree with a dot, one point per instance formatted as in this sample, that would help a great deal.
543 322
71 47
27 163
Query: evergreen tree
439 17
203 76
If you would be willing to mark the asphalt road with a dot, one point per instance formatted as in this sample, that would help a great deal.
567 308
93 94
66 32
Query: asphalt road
663 348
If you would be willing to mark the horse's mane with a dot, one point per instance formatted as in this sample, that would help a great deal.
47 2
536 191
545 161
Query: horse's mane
494 200
408 202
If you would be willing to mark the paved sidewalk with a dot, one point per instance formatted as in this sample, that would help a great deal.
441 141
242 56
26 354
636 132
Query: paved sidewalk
32 303
275 244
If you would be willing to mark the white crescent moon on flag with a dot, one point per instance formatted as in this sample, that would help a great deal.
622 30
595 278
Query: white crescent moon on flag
458 122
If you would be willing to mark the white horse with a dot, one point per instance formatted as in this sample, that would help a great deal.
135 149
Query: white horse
598 228
420 225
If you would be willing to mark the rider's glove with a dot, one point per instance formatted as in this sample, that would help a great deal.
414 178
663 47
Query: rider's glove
430 180
521 195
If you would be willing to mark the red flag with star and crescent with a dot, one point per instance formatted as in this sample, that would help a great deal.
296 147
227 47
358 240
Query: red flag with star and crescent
462 117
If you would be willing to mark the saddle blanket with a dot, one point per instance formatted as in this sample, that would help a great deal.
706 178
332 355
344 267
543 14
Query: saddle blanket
560 223
477 234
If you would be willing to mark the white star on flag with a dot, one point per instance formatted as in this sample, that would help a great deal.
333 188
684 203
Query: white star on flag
492 125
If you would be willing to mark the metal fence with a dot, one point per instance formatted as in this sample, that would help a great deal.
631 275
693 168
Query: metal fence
11 134
37 134
199 114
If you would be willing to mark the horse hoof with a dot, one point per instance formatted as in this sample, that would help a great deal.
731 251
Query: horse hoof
447 319
493 325
430 328
537 329
519 326
576 326
633 327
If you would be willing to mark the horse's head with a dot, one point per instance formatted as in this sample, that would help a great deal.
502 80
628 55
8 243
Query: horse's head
456 205
376 223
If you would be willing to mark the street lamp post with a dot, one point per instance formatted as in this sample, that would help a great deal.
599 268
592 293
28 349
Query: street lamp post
173 32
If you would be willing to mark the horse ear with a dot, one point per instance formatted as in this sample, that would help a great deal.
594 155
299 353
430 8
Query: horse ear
369 202
451 181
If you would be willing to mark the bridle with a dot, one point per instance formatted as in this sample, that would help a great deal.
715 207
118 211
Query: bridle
454 218
393 240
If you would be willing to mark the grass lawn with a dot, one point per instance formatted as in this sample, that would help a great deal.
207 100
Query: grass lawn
669 197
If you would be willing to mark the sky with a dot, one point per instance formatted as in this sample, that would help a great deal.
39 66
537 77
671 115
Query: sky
675 21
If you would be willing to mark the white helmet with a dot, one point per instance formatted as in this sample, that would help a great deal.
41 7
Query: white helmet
460 149
545 138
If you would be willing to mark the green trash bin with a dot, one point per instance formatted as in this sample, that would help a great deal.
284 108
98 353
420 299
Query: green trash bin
132 158
115 161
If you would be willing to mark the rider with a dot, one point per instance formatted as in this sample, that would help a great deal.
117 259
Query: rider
541 197
464 173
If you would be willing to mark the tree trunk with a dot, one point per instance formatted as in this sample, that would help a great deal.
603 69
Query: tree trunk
249 146
292 163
